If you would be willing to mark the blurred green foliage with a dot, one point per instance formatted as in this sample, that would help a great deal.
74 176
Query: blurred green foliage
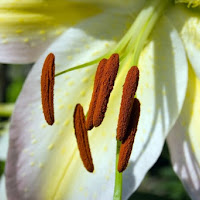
15 76
14 89
160 183
2 166
11 81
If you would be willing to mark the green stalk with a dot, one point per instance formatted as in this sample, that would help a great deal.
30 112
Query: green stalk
145 32
118 177
149 7
79 67
87 64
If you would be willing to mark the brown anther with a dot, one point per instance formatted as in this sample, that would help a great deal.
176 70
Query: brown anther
129 89
82 138
95 94
47 88
127 143
107 83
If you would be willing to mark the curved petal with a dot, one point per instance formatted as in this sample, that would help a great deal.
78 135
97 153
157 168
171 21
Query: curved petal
28 27
162 87
184 140
187 22
43 161
3 188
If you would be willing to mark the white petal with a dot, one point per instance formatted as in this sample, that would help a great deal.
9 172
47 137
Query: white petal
3 188
187 22
28 27
4 143
162 87
184 140
43 161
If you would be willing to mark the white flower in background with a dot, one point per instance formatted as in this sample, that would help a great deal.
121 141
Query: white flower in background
4 130
3 155
27 27
3 188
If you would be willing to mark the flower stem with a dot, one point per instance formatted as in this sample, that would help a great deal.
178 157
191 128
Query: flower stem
138 24
87 64
118 177
146 30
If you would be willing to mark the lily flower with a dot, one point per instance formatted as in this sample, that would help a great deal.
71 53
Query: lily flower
162 39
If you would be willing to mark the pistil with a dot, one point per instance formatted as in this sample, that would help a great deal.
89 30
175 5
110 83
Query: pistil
82 138
47 88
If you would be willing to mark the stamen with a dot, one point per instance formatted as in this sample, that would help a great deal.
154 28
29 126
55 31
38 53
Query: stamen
95 94
129 89
47 87
82 138
107 83
127 143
